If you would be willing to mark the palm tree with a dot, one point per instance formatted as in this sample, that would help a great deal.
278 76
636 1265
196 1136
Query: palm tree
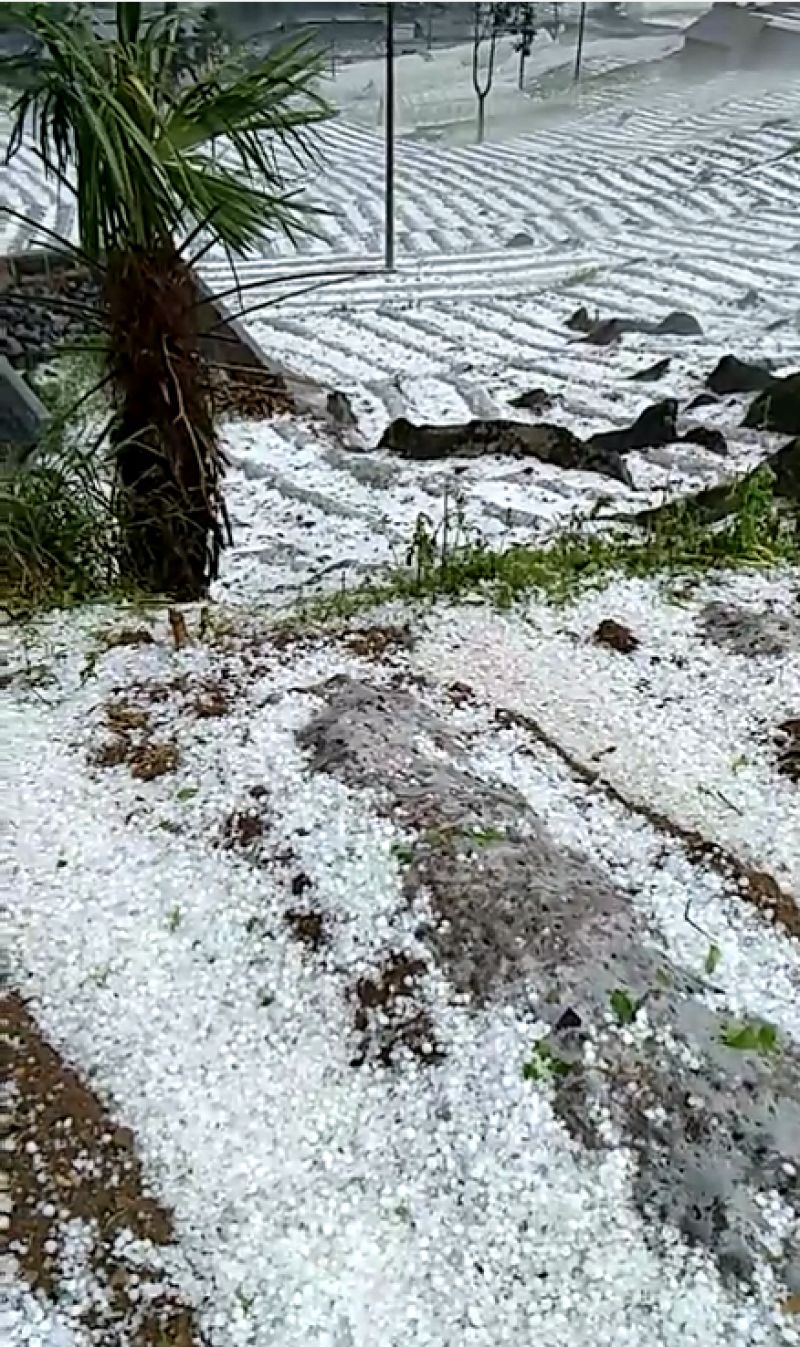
153 157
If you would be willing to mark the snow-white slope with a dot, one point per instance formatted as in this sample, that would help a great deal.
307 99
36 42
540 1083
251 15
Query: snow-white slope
317 1202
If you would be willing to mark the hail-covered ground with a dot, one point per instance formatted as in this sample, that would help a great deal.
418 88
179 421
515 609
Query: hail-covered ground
642 195
433 977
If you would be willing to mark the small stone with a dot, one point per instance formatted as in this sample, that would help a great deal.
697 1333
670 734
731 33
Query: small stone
616 636
651 372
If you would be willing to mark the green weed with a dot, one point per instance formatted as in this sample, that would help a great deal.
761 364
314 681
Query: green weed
712 959
57 524
751 1036
624 1007
544 1066
485 837
677 544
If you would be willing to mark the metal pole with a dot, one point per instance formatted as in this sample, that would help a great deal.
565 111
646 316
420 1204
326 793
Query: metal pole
579 52
389 118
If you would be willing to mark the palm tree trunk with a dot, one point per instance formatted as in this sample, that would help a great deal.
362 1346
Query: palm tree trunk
169 465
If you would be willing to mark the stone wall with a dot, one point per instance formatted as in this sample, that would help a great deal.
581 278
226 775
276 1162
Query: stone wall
42 292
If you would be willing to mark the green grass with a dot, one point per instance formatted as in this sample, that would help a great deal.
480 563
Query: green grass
58 535
57 524
544 1066
679 541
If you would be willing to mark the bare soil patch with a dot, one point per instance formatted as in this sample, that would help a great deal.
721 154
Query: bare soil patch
71 1162
388 1018
308 927
243 828
373 643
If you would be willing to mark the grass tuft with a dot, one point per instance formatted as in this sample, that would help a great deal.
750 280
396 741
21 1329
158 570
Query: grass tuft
678 541
58 529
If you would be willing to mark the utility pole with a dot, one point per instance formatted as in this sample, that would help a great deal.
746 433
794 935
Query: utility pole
482 83
579 52
389 153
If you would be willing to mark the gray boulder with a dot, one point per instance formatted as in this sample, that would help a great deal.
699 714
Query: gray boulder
23 418
511 439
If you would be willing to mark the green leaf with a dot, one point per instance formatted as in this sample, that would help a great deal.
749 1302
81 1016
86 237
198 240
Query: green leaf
121 118
712 959
187 793
750 1036
744 1037
623 1006
767 1038
544 1066
128 21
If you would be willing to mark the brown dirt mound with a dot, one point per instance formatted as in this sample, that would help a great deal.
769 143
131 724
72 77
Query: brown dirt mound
70 1161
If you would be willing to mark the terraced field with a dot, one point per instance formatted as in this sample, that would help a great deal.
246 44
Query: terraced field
634 201
673 200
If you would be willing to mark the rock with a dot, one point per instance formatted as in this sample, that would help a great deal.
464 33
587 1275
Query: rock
715 502
31 315
749 300
23 418
702 400
507 917
777 407
605 333
656 371
616 636
784 465
747 631
536 400
702 1166
521 919
654 426
601 332
340 409
679 324
514 439
520 240
730 375
709 437
580 320
787 738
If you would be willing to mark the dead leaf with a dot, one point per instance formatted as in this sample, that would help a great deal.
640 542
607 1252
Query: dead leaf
177 622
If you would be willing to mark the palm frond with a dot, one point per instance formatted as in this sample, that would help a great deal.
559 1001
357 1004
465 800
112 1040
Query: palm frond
140 146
